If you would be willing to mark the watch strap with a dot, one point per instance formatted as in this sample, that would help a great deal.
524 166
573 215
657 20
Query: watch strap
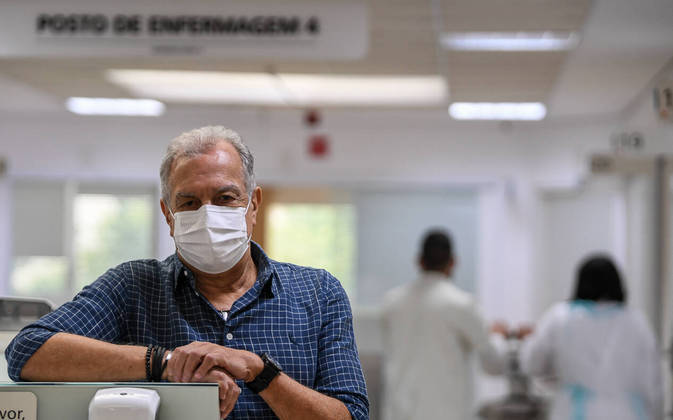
270 371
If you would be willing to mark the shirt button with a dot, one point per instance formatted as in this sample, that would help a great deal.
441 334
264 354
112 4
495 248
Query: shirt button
185 273
230 336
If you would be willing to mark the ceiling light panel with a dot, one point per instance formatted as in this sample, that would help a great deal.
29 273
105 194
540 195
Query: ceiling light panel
508 111
115 106
509 41
267 89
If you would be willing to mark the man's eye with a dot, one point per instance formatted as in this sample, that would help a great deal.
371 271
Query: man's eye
187 203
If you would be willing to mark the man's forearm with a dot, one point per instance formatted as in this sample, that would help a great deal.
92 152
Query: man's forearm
291 400
68 357
286 397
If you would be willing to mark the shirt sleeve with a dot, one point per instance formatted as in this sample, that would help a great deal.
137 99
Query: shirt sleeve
96 312
339 373
537 352
489 349
654 392
651 363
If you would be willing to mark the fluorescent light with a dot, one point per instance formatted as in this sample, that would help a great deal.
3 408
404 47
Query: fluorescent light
509 41
530 111
115 106
282 89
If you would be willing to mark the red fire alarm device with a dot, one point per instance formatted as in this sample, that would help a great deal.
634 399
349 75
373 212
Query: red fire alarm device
318 146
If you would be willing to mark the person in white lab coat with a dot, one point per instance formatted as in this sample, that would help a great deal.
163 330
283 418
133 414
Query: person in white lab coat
430 328
602 355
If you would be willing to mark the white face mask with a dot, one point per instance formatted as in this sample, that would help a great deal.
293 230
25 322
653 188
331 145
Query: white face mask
212 239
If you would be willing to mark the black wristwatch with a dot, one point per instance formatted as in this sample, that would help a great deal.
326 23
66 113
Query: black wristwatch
270 371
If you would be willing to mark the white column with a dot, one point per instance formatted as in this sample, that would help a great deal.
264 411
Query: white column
508 225
507 243
5 233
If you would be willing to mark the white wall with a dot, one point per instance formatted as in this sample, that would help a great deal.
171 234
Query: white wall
385 148
659 140
409 149
391 224
591 219
509 163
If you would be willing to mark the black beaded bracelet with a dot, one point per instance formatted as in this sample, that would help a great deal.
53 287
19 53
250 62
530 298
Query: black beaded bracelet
148 354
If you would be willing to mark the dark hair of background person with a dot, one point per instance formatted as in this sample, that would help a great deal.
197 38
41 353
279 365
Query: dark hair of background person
437 250
598 280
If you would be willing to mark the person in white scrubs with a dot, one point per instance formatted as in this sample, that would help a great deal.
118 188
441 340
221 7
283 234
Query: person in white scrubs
601 354
430 330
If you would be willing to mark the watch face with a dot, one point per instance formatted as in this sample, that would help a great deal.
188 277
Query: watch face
271 361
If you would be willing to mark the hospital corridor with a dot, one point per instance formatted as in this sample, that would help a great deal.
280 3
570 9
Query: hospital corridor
336 209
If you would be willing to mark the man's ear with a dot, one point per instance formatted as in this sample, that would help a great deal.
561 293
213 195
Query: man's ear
167 215
255 204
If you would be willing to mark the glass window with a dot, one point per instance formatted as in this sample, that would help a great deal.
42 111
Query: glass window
39 276
94 229
315 235
109 229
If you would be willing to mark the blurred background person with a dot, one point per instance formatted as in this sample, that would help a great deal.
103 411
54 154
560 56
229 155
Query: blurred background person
430 328
602 355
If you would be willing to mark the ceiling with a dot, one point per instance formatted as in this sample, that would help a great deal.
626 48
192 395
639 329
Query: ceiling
624 43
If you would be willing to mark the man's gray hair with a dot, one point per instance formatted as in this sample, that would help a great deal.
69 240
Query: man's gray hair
199 141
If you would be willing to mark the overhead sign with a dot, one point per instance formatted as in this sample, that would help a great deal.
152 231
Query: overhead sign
627 141
234 28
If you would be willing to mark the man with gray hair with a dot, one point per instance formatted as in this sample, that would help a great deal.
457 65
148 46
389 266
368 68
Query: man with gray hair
276 337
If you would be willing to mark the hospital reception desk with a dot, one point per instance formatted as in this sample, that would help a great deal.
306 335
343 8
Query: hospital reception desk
108 401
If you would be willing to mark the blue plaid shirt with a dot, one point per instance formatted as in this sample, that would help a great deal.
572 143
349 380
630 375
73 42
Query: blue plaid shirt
300 316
